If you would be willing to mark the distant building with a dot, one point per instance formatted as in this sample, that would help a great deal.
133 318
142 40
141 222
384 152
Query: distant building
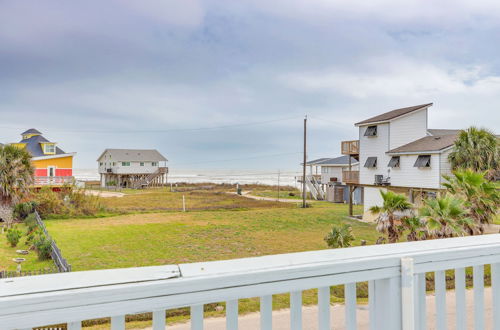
132 168
52 165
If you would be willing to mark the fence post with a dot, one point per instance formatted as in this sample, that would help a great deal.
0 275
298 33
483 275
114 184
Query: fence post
407 294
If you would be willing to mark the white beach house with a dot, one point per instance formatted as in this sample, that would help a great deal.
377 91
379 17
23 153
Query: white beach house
132 168
397 151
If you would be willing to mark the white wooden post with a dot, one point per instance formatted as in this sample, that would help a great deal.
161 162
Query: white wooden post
324 308
407 294
197 317
350 306
478 284
159 320
183 203
77 325
440 288
385 304
232 315
266 313
495 287
460 310
118 322
296 310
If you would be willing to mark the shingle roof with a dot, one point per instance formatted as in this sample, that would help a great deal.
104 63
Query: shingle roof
31 131
393 114
428 143
133 155
342 160
438 131
34 148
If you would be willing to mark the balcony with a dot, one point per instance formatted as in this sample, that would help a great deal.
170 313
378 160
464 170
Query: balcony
53 180
395 274
350 177
350 147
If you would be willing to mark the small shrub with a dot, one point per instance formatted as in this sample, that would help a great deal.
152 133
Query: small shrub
13 236
30 222
22 210
291 194
340 237
43 246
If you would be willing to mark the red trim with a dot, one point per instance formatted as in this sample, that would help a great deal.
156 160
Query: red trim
40 172
64 172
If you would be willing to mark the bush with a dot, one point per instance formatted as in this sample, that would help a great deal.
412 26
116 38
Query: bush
22 210
43 246
49 202
340 237
30 222
13 236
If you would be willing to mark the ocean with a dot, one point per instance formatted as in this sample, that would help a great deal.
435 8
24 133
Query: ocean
214 176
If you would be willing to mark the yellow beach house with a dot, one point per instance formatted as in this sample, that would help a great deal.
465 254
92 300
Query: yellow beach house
52 165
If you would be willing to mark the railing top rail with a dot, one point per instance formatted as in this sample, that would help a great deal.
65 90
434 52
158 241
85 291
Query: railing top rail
111 292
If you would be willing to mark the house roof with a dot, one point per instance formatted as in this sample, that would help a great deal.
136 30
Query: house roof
438 131
33 145
393 114
342 160
134 155
31 131
427 144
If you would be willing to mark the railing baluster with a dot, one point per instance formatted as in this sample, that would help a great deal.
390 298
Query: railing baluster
478 284
350 306
324 308
232 314
460 310
371 305
440 288
118 322
74 325
408 285
197 317
495 287
296 310
266 313
422 305
159 320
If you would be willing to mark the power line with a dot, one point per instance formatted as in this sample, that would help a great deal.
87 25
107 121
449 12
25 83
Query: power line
128 131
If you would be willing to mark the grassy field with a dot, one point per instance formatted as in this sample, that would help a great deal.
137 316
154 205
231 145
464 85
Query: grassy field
7 253
180 237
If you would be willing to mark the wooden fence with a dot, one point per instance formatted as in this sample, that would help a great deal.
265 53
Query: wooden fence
15 273
55 254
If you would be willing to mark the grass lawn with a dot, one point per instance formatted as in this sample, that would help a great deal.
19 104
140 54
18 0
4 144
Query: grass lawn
134 240
7 253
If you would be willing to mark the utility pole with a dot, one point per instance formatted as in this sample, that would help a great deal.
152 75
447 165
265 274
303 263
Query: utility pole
349 185
304 165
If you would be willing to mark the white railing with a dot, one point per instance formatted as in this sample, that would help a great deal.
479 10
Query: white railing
395 275
53 180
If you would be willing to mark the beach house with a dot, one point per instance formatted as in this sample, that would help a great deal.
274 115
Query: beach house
132 168
397 151
52 165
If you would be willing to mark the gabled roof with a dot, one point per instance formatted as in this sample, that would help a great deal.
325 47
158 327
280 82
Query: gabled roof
133 155
342 160
438 131
34 148
427 144
31 131
393 114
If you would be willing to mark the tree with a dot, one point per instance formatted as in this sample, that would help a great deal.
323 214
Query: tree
476 149
389 215
416 228
481 197
340 237
16 176
445 217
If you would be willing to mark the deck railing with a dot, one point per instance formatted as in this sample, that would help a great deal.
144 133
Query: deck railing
350 177
350 147
53 180
395 275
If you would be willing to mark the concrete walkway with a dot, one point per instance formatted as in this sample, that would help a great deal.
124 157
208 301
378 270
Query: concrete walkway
281 318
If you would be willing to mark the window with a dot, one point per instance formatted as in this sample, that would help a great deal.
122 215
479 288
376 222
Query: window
49 148
154 164
394 162
371 162
423 161
141 163
114 163
125 163
100 164
371 131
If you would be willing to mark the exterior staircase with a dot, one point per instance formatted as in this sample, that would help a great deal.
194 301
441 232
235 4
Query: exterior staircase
314 187
143 183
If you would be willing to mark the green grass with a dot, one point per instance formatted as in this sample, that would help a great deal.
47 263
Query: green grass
7 253
135 240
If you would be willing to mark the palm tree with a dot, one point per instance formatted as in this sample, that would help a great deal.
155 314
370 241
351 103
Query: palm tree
340 237
415 227
476 149
481 196
16 176
445 217
390 214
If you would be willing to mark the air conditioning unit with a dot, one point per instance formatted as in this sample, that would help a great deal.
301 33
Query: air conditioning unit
379 179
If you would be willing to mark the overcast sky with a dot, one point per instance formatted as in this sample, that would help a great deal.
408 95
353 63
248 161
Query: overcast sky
98 74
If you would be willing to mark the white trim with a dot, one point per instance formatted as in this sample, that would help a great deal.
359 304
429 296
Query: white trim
54 156
420 152
53 172
389 120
